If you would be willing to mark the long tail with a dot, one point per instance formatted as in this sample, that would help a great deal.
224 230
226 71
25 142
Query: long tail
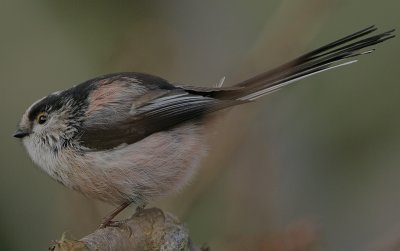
335 54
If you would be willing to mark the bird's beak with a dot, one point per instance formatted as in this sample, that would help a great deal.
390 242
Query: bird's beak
20 133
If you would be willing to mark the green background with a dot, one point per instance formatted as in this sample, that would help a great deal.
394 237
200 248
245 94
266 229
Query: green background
315 163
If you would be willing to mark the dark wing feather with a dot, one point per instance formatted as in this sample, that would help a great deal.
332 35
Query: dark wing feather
151 112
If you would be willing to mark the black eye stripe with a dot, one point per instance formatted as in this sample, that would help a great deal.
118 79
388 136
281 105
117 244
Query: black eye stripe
54 102
50 103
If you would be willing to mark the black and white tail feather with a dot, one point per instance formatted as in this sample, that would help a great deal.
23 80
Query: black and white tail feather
336 54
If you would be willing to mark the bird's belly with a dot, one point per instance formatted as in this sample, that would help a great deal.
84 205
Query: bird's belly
155 166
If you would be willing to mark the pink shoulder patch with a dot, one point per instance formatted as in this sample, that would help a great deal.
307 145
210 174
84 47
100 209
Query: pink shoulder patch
106 93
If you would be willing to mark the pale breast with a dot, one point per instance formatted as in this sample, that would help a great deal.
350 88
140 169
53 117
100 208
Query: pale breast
55 164
160 164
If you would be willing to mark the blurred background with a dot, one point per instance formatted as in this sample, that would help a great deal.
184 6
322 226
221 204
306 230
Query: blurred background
314 166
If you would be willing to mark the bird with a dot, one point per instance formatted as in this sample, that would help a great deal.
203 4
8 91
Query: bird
130 138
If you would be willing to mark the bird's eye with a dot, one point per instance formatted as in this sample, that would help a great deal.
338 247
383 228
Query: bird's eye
41 118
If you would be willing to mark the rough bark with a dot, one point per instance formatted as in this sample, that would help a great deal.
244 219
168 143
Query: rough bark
151 229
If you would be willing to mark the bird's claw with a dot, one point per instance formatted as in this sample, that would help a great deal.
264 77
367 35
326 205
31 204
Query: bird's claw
118 224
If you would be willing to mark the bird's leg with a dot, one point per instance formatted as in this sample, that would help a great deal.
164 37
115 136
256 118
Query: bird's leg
122 224
107 221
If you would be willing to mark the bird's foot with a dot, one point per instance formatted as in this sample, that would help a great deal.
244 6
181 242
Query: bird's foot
118 224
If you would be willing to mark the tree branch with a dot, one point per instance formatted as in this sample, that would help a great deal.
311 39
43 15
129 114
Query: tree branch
151 229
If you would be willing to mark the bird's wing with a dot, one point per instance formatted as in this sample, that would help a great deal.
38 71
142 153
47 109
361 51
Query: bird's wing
128 107
125 111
